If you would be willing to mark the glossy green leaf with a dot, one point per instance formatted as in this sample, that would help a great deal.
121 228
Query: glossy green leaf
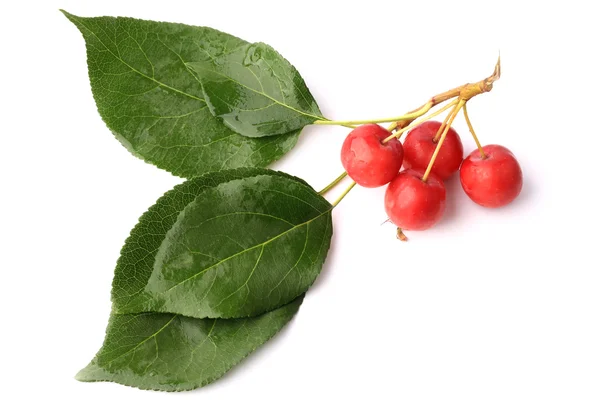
174 353
256 91
225 245
155 106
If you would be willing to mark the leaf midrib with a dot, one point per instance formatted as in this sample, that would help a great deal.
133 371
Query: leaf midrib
81 21
143 341
263 94
246 250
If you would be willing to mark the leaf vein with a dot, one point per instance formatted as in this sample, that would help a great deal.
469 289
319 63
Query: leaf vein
246 250
118 57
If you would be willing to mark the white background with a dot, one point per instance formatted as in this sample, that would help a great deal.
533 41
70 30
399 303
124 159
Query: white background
490 304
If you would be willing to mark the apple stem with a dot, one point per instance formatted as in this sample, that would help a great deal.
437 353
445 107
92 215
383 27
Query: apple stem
413 124
464 92
440 130
333 184
399 125
466 114
344 193
452 115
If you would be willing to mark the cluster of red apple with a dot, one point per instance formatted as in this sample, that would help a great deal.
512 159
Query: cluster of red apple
432 152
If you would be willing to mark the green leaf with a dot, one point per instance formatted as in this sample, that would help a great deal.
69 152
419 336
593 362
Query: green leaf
226 245
256 91
174 353
155 106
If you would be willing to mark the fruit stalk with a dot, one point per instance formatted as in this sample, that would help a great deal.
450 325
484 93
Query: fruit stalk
451 118
442 127
412 124
466 114
464 92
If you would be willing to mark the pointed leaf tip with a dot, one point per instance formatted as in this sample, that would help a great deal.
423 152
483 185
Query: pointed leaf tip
159 95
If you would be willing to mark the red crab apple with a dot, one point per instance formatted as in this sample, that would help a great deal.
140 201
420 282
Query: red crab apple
368 161
412 204
419 146
492 181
